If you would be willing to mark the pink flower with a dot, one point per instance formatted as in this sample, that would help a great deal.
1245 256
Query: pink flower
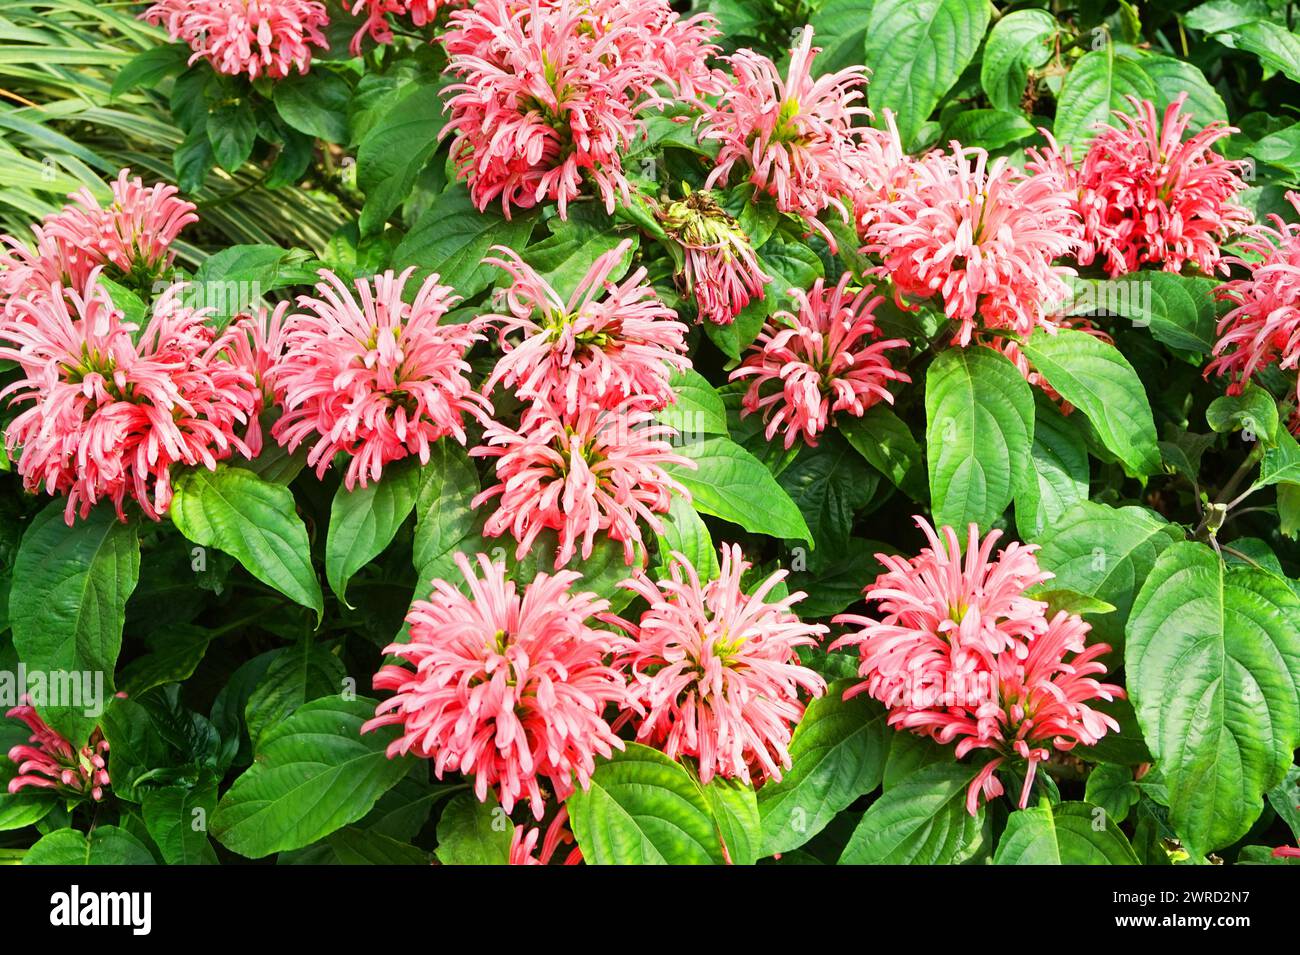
50 762
589 472
372 376
1286 852
720 265
1147 196
795 135
543 103
421 12
256 345
1263 325
824 360
605 344
716 669
884 169
524 842
257 37
961 653
982 237
133 236
113 407
507 688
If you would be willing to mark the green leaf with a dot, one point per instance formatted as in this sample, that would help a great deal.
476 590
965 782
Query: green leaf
643 808
922 820
887 443
315 772
443 515
178 652
22 809
177 820
315 103
565 256
837 754
305 671
829 484
1058 462
1285 800
1097 84
1213 663
232 131
1172 78
1112 788
253 521
1067 834
452 237
394 151
355 846
1018 42
687 534
150 67
1253 412
980 426
840 29
67 604
235 279
364 520
1098 380
732 484
991 128
1106 553
474 833
698 409
135 748
104 845
1179 310
735 809
1276 46
916 49
1280 464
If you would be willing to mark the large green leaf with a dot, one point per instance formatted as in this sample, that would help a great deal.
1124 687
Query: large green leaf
1213 664
643 808
364 520
177 820
735 810
443 516
1178 310
836 755
698 410
916 49
887 443
840 29
315 103
829 484
474 833
103 845
1059 470
922 820
1105 552
732 484
686 533
1097 84
308 670
394 150
565 256
1098 380
1072 833
1018 42
68 599
1276 46
254 521
979 431
315 772
452 237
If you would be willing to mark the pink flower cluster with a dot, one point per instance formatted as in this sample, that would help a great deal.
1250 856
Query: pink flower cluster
131 238
522 691
1263 325
48 761
794 135
550 92
827 359
980 235
1147 196
371 376
255 37
377 12
587 457
961 652
112 406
